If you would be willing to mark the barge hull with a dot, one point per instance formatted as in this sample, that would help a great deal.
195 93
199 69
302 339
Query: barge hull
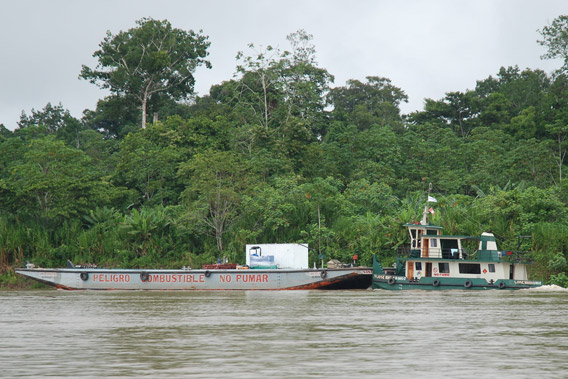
257 279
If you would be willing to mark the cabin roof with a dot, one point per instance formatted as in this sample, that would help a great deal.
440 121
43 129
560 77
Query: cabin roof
423 226
446 236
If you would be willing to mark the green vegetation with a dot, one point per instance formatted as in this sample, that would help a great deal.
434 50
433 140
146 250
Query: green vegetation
277 154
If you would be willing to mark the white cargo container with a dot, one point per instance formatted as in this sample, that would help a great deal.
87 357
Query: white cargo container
286 255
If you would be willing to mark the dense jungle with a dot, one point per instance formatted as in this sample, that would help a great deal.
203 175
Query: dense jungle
156 176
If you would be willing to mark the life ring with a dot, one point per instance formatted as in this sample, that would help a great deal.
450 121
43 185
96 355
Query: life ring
84 276
467 284
392 280
207 273
436 282
502 285
323 274
144 276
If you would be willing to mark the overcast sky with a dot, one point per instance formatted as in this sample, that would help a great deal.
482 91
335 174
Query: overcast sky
425 47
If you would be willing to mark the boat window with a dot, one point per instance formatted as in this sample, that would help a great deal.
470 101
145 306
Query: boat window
431 232
449 248
443 267
433 243
470 268
413 234
418 265
491 267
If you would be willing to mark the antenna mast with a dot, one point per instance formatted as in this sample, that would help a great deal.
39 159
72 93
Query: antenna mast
425 212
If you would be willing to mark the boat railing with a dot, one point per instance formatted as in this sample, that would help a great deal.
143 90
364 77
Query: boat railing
440 253
447 253
515 256
461 254
454 253
405 251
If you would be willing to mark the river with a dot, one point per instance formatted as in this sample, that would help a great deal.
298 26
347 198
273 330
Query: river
285 334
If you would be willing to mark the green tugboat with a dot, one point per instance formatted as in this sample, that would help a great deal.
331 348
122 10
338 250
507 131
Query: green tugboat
444 262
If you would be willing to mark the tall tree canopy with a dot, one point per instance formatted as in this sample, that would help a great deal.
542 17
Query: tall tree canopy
555 38
52 120
151 59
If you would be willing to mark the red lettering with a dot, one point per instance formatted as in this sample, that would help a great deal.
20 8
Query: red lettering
249 278
225 278
111 278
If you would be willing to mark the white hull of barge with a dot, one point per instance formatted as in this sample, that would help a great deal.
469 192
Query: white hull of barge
232 279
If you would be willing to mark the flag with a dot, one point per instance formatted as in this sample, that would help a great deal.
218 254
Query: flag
431 199
431 210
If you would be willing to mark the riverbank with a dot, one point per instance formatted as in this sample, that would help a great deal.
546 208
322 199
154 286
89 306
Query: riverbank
10 281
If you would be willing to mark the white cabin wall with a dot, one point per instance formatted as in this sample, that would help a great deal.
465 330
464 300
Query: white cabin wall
520 272
502 270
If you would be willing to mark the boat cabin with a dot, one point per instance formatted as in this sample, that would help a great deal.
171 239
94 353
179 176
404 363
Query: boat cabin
435 255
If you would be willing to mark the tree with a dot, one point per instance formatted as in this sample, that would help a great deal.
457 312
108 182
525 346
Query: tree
557 127
458 110
274 86
216 182
258 88
375 102
555 38
54 182
115 116
147 167
151 59
53 120
305 85
322 198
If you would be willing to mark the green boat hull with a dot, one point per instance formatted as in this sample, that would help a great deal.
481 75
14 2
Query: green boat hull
396 283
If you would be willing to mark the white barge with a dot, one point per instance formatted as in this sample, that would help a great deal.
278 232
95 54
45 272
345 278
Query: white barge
253 277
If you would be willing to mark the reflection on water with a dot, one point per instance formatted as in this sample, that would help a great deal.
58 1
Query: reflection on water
284 333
